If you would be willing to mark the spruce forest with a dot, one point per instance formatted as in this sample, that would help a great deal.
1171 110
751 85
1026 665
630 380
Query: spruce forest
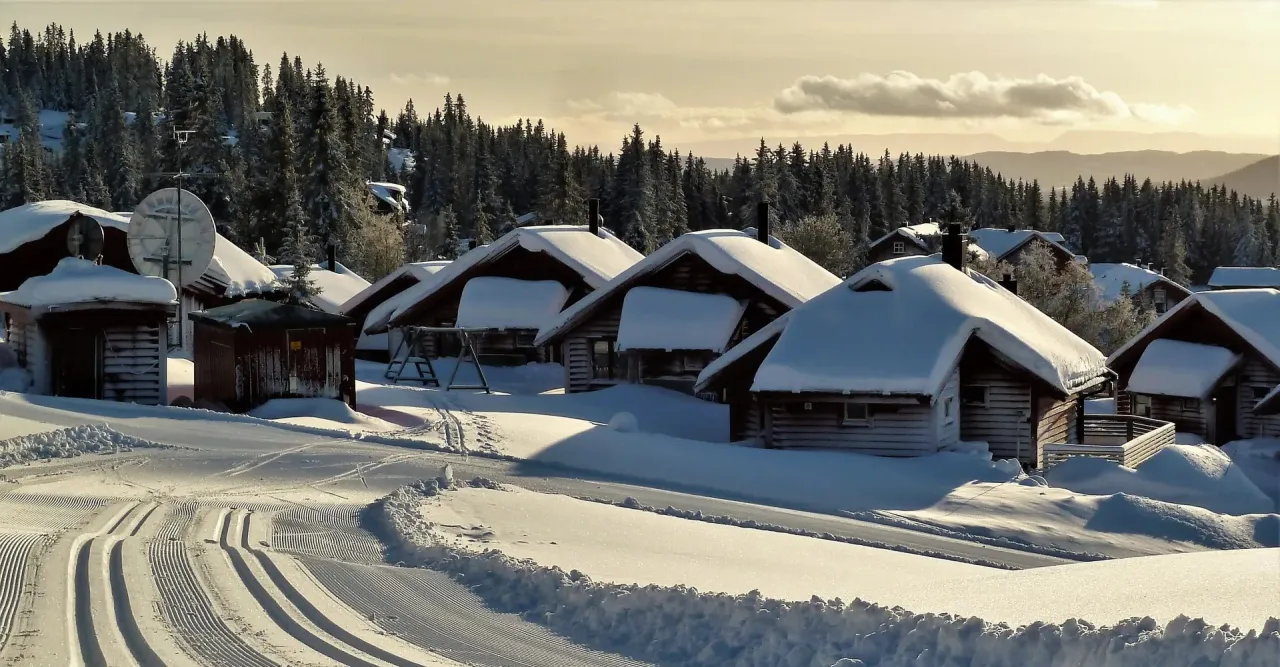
294 179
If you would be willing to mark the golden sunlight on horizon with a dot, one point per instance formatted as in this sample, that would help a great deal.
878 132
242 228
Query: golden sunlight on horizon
716 75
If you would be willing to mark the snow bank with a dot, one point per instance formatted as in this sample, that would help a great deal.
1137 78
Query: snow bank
81 281
1259 459
335 287
774 268
30 222
1176 368
839 341
681 625
1111 279
69 442
1186 475
664 319
181 375
507 303
1227 277
324 409
15 379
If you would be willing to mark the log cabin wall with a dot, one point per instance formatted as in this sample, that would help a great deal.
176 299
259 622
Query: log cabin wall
885 250
1256 379
1003 418
905 428
581 373
1189 415
1055 423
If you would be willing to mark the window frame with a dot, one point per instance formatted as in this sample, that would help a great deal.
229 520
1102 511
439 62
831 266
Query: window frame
1138 401
986 396
611 353
864 420
1259 391
1190 404
948 415
899 247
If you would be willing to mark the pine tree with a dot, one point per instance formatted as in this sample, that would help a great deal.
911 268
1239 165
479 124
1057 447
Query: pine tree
1173 251
324 168
299 250
449 247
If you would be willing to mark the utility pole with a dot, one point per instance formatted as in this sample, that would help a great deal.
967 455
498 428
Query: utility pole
180 137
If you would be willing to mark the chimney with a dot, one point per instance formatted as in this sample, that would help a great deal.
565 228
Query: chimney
471 244
333 258
762 222
1010 283
593 216
953 250
1011 227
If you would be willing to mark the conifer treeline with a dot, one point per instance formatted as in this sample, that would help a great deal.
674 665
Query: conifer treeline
305 167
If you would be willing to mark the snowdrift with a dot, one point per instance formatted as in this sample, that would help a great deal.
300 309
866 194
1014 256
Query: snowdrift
680 625
323 409
1200 475
69 442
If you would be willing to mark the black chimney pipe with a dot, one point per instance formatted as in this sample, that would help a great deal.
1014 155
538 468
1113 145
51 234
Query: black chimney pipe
333 258
593 216
1010 283
1011 227
762 222
953 250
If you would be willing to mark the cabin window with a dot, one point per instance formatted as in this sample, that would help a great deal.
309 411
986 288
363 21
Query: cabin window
948 412
899 248
605 360
525 339
1259 391
1141 405
975 396
857 414
1191 405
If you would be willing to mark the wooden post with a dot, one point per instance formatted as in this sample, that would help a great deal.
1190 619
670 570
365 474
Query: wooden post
1080 419
1128 430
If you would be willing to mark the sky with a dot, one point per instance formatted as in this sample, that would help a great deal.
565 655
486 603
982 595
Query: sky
718 75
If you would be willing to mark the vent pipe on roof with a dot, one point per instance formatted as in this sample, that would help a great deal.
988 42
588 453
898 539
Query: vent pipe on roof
593 216
1011 227
953 242
762 222
333 258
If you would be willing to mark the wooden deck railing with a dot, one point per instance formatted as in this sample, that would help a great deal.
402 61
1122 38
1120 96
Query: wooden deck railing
1126 439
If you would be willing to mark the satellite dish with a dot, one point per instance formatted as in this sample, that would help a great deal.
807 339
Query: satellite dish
172 235
84 237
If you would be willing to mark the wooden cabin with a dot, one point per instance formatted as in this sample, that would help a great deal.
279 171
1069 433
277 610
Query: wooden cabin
1002 245
1244 277
33 239
375 303
908 357
663 320
252 351
580 259
91 331
1206 365
1147 288
389 198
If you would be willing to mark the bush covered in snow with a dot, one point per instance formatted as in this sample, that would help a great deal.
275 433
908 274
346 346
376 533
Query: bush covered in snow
69 442
683 626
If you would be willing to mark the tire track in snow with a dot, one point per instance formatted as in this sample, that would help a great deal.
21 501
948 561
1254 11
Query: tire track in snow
329 531
15 552
431 610
184 603
264 459
91 651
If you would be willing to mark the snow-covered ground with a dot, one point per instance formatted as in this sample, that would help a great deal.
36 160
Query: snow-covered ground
625 546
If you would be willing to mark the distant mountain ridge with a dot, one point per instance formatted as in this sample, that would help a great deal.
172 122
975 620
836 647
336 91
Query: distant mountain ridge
1260 179
1062 168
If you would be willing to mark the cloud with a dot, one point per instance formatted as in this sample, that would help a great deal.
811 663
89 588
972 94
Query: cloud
649 107
423 79
970 95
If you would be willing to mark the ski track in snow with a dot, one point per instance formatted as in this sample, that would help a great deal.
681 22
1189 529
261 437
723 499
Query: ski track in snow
185 605
15 551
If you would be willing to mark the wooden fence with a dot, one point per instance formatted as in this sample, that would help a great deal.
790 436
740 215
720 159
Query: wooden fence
1126 439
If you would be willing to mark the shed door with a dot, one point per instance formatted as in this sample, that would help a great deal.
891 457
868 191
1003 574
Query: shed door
309 364
77 363
1224 422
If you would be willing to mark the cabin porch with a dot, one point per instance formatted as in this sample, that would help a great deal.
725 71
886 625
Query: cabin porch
1125 439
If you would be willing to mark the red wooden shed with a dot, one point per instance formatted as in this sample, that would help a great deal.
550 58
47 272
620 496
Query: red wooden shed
250 352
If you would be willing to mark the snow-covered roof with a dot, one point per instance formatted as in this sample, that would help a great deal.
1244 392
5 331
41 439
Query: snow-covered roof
335 287
770 332
417 271
654 318
1110 279
774 268
1000 242
597 258
81 281
900 326
1177 368
31 222
1226 277
507 303
391 194
921 234
1253 314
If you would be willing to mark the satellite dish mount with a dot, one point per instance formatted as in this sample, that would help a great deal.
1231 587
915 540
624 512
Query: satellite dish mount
172 236
85 238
